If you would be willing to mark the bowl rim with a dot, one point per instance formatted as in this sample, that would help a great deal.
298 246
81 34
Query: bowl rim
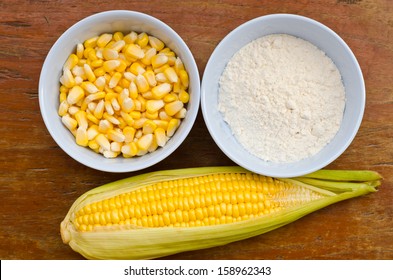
146 160
283 171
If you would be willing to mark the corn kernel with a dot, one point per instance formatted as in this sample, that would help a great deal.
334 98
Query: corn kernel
116 136
172 127
115 80
159 60
146 60
104 39
134 51
161 90
170 73
109 53
110 65
183 78
129 149
141 83
154 105
75 95
173 107
69 122
63 108
145 141
156 43
117 36
129 134
148 127
142 39
81 137
160 136
103 142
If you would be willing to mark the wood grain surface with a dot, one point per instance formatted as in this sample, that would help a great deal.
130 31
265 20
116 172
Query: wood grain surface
39 182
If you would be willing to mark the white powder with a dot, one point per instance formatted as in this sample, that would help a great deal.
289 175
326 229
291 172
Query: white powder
282 97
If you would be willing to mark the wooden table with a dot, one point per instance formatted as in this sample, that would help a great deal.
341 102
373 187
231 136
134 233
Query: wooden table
39 182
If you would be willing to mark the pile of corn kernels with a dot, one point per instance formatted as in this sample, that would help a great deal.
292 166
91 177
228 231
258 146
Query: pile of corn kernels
123 94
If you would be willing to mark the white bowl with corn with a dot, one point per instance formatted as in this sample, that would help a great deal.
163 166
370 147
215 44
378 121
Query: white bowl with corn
227 135
119 91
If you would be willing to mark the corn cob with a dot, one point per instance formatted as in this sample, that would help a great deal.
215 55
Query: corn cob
167 212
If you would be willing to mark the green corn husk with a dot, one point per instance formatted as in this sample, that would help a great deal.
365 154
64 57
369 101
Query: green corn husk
121 242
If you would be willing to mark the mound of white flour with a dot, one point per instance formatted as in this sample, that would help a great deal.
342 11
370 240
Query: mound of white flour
282 97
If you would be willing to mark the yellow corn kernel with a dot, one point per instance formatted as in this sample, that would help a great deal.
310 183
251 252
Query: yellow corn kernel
96 63
145 142
154 105
72 110
67 79
142 39
129 134
123 65
161 124
164 116
103 142
173 107
108 107
117 36
63 108
129 76
141 83
150 77
135 115
111 118
104 126
79 50
116 147
181 114
92 55
184 96
178 65
171 75
75 95
160 136
127 118
146 60
99 110
133 89
173 125
92 132
184 77
100 71
170 97
109 53
156 43
151 116
118 45
139 123
127 105
93 145
115 79
134 51
104 39
71 61
111 65
116 136
81 136
161 78
92 118
129 149
161 90
89 72
130 38
148 127
136 68
159 60
69 122
95 96
81 118
89 87
91 43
